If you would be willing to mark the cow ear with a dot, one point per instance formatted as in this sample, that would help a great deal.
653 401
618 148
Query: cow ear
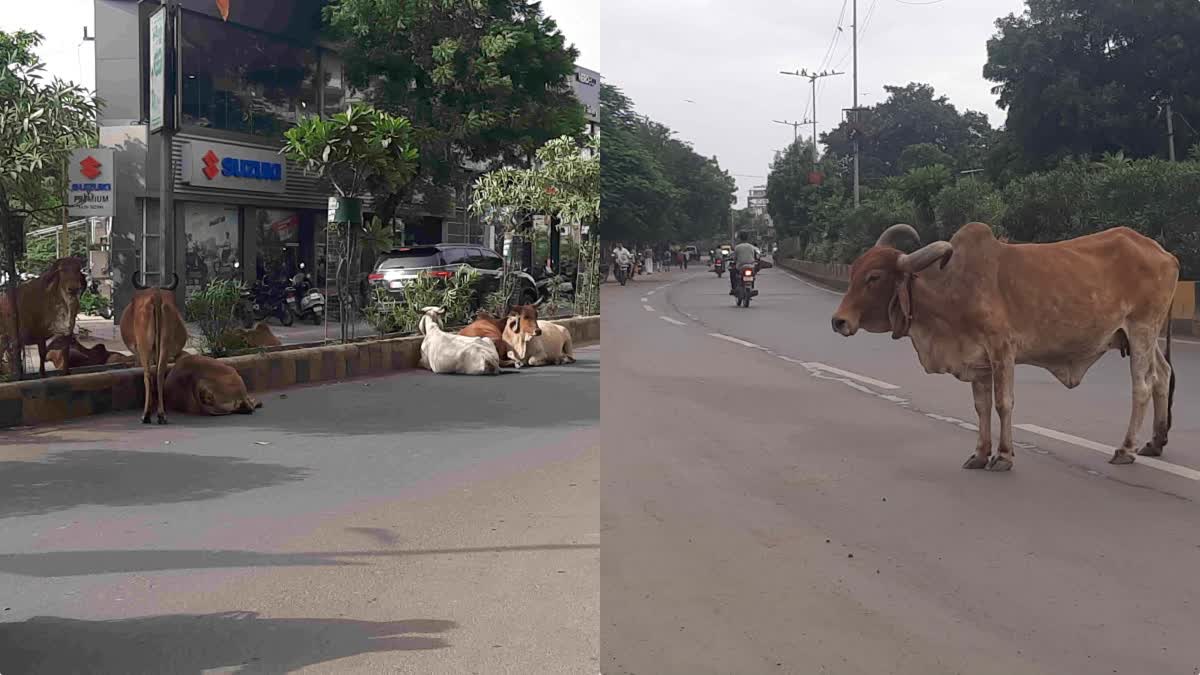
899 310
205 395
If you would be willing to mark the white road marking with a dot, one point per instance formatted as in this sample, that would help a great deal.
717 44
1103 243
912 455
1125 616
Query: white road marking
734 340
854 376
670 320
652 292
648 308
1181 471
646 299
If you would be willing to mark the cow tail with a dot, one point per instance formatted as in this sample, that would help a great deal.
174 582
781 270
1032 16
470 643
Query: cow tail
1171 386
156 329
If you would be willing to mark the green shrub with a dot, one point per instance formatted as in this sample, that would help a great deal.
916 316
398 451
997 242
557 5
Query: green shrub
967 201
92 303
387 314
214 309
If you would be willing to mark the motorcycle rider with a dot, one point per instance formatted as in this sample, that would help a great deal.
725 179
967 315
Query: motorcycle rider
744 253
622 255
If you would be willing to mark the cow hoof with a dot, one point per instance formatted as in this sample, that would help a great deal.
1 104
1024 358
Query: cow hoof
145 419
162 419
999 463
1151 450
975 462
1121 458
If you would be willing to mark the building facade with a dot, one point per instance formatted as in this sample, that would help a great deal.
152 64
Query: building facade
241 210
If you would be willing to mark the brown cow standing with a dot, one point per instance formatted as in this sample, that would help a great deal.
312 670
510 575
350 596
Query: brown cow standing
46 307
988 305
153 329
488 326
200 385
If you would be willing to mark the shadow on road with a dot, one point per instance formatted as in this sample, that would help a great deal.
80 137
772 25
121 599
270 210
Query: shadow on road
534 398
83 563
188 644
122 478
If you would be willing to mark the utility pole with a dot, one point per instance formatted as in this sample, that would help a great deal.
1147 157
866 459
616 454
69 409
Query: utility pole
1170 132
812 79
855 76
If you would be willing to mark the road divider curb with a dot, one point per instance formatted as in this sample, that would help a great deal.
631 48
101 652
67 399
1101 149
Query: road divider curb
55 399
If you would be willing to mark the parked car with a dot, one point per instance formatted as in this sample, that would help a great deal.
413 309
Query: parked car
399 266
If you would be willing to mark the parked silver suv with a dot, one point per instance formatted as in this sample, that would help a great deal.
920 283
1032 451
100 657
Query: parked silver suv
399 266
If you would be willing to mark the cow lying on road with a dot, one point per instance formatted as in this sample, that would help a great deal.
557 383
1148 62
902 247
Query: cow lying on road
552 347
509 335
199 385
444 352
153 329
65 347
975 307
258 336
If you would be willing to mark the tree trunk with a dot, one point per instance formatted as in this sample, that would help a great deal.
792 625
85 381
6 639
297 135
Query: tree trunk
16 352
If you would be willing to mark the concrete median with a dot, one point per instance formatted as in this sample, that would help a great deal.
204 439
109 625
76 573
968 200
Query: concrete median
56 399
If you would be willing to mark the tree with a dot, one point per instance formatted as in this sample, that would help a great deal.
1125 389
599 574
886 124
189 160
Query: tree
1084 77
357 151
563 183
921 186
912 115
484 81
792 200
41 122
657 188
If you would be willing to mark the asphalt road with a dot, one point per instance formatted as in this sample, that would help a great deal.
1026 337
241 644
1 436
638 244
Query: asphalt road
765 513
415 523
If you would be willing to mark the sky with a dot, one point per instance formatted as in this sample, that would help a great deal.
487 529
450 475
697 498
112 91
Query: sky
726 56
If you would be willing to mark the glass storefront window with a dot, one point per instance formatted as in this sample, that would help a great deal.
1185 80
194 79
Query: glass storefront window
278 233
241 80
212 244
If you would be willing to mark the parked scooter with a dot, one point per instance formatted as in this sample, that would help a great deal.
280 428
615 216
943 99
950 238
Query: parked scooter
304 301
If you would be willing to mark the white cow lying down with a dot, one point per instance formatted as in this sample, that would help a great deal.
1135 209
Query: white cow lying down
444 352
553 347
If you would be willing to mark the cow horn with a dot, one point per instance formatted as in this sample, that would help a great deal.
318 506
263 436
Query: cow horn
916 261
137 281
896 232
174 282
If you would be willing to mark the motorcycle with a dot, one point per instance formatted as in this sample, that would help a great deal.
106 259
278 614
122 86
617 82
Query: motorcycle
623 270
262 300
719 265
744 290
304 301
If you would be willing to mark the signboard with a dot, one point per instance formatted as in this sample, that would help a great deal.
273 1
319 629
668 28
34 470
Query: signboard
225 166
158 68
90 178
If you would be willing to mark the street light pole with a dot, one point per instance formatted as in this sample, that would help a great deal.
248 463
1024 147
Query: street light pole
812 79
795 127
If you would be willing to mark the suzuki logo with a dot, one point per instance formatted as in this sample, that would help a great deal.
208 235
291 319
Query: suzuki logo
90 168
211 161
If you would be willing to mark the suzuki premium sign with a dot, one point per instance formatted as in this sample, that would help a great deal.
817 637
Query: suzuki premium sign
90 182
223 166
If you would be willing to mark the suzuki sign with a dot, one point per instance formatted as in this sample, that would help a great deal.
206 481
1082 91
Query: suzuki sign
224 166
90 182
